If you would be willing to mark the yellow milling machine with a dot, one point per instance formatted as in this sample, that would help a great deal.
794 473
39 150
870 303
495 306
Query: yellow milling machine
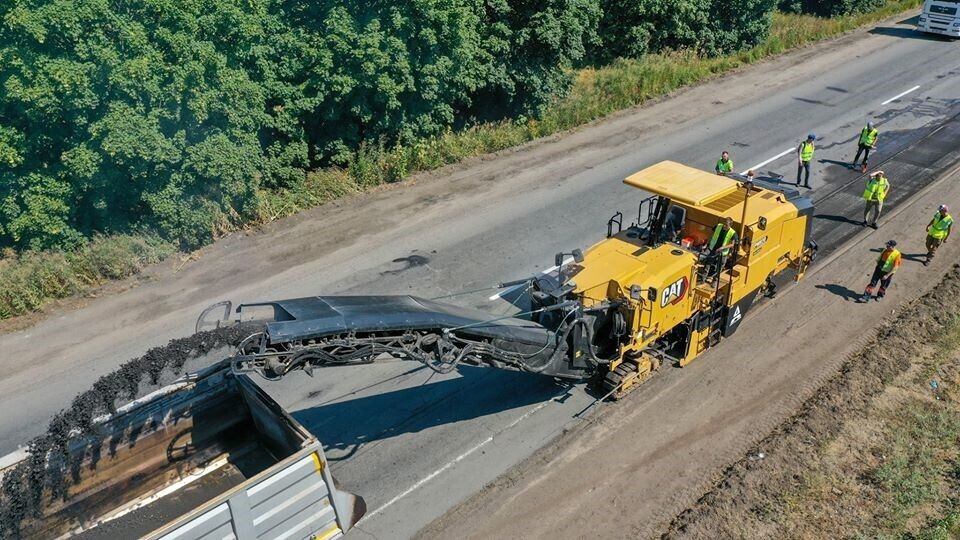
650 292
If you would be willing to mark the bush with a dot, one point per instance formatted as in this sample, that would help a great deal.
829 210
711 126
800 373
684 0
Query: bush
633 28
177 114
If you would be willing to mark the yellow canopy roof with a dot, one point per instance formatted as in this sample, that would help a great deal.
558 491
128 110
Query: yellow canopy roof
681 183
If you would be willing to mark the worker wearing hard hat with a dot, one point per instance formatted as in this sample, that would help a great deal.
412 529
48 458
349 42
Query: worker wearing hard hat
804 156
876 191
938 230
724 164
867 142
887 264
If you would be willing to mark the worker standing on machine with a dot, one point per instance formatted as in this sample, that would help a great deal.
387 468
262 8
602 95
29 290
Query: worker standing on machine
867 142
887 264
724 164
876 191
938 230
804 156
723 240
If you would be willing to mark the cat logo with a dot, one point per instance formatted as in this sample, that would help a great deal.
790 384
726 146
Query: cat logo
736 316
674 293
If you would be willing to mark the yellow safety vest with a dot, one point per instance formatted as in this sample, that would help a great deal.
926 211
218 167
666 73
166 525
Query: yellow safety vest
941 226
806 151
868 136
891 262
725 166
877 188
727 238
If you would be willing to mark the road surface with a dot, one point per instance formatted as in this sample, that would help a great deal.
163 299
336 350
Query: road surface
412 443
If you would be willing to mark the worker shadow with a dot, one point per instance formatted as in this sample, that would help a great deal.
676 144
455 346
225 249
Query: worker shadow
838 163
840 291
838 219
345 427
912 257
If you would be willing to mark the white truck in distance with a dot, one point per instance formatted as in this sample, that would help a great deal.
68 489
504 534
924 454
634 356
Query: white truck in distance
940 17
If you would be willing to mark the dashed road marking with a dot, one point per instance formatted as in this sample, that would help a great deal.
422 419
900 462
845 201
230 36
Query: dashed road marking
898 96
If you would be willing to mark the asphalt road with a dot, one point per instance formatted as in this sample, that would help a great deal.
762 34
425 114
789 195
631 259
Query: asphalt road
413 443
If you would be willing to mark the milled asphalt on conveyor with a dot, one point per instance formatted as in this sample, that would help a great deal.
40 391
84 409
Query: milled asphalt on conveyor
421 443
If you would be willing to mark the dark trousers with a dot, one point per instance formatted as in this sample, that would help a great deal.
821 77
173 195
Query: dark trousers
803 166
932 245
866 154
878 278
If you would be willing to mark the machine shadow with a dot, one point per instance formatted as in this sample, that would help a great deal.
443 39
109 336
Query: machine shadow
345 426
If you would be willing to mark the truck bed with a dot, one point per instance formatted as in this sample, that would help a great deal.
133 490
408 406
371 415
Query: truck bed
212 454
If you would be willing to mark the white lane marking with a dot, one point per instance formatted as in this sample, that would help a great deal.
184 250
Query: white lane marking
515 287
456 460
774 158
898 96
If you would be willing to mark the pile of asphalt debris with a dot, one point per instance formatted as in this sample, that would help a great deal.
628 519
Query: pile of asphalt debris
22 488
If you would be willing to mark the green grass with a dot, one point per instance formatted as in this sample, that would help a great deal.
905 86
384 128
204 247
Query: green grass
29 281
923 438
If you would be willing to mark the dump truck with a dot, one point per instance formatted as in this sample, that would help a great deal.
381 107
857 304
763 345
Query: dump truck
210 456
649 293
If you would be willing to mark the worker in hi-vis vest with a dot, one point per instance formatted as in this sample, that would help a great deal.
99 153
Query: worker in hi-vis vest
938 230
887 264
723 244
876 191
867 142
804 156
724 164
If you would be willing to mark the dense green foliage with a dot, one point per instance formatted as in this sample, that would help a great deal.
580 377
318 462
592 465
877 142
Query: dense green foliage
33 278
187 117
173 113
829 8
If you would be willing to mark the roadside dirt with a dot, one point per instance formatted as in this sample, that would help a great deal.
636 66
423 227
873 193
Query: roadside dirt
753 498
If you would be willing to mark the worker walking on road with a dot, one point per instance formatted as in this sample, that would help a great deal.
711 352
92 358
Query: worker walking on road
867 142
724 164
887 265
876 191
804 156
938 230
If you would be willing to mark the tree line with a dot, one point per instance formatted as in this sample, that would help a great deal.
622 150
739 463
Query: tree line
173 115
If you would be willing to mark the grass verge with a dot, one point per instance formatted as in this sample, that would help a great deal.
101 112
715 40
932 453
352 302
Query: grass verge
29 281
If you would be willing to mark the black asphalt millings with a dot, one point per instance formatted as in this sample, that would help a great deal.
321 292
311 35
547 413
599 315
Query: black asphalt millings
21 492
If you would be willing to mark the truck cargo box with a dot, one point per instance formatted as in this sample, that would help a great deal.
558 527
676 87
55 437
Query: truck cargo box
211 456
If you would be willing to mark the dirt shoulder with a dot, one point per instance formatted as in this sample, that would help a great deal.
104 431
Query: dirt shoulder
873 452
635 465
